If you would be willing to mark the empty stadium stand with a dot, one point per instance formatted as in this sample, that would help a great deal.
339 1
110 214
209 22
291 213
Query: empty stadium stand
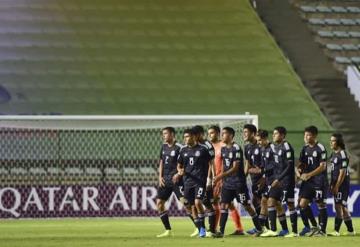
321 38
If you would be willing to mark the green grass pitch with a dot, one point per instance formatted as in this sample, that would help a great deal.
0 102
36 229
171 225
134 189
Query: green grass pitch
141 232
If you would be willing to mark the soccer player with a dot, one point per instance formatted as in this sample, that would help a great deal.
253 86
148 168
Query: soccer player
193 167
282 188
267 165
253 167
234 181
340 184
167 169
312 172
208 198
214 138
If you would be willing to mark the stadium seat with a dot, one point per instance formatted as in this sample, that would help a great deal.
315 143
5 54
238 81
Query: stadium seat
355 60
53 170
355 10
18 171
339 9
317 21
342 60
334 47
354 34
308 9
350 47
37 171
148 171
323 9
341 34
326 34
74 171
348 22
332 22
110 171
93 171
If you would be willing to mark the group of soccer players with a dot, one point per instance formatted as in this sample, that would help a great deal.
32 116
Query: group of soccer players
206 175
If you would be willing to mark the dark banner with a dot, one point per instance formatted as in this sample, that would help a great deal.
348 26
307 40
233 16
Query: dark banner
104 201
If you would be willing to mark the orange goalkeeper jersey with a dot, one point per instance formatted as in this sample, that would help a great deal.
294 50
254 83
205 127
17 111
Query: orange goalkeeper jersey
217 160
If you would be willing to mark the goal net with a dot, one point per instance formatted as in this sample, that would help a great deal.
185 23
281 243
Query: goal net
73 166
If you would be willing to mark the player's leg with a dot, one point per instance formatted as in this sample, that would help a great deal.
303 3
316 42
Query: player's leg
235 216
226 198
346 215
338 219
163 195
189 202
275 208
210 211
256 204
320 198
263 217
306 195
199 209
244 199
289 198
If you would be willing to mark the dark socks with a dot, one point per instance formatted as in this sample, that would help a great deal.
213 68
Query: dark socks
338 222
165 220
212 221
293 220
272 218
255 219
349 225
283 223
323 218
310 216
223 219
304 217
201 218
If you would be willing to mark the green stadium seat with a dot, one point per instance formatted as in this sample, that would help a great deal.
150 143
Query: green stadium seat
354 34
350 47
339 9
334 47
75 171
18 171
37 171
355 10
317 21
342 60
93 171
326 34
323 9
332 22
355 60
348 22
4 171
111 171
308 9
341 34
148 171
54 171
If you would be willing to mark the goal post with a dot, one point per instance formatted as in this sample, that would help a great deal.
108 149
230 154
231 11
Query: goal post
74 166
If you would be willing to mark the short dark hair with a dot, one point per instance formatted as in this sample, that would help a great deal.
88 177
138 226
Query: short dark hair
281 129
312 129
216 128
188 131
251 127
262 133
339 140
198 129
170 129
230 130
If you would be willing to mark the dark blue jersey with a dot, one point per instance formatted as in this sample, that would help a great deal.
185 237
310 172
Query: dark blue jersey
338 162
267 163
311 157
284 163
210 149
230 155
195 161
253 156
169 156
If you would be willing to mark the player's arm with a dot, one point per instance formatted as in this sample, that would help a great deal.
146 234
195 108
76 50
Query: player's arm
180 169
211 174
341 177
231 171
317 171
256 168
161 175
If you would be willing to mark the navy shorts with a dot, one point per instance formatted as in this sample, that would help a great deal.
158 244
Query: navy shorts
194 192
241 195
342 195
311 192
165 192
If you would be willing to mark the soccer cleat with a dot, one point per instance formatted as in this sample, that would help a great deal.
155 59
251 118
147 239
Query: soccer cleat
349 233
319 234
291 235
202 232
209 234
313 231
237 233
283 233
334 234
165 234
305 231
269 233
195 233
252 231
218 235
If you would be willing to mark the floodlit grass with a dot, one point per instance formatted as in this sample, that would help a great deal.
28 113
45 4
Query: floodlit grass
140 232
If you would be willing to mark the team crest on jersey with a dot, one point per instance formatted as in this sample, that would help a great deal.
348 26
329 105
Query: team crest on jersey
197 153
172 153
280 152
335 160
185 154
230 155
256 151
314 154
267 154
